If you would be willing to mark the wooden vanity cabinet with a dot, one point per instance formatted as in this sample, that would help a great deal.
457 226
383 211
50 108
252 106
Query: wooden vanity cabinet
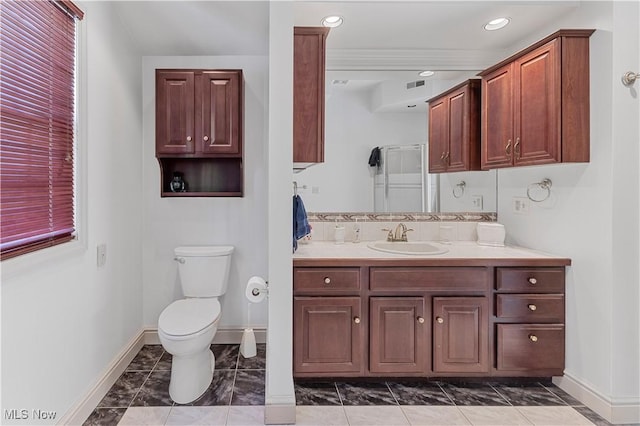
328 322
454 129
309 46
199 116
529 321
535 104
395 318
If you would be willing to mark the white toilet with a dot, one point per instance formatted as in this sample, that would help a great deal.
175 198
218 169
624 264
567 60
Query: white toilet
186 327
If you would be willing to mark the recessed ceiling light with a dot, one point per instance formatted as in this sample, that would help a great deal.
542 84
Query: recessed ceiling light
496 24
426 73
332 21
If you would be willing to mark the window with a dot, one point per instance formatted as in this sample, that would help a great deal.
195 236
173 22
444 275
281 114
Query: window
37 113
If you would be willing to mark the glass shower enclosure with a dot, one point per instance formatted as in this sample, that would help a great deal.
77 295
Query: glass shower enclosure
401 182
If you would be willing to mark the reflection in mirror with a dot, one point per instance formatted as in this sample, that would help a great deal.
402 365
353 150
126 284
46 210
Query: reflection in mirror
361 115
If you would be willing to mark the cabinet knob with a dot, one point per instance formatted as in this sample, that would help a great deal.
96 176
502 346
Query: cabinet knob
532 307
439 320
442 160
206 138
532 281
516 147
421 320
327 280
533 337
189 139
356 320
507 149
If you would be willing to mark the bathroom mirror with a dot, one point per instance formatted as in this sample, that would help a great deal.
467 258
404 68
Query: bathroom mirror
364 114
374 97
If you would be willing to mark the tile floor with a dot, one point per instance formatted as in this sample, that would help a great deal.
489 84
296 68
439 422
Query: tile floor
236 397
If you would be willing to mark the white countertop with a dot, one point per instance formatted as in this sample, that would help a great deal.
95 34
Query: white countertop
455 250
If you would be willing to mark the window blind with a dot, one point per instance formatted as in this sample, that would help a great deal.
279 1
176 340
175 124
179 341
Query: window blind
37 91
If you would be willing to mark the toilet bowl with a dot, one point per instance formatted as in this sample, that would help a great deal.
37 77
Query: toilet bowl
186 329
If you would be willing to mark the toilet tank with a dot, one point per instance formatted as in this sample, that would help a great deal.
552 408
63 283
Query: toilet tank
204 270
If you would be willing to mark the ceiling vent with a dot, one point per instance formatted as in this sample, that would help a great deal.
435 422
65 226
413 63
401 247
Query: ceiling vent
414 84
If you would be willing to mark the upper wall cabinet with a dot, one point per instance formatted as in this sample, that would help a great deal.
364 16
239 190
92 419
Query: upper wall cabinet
535 104
308 94
454 129
199 132
198 112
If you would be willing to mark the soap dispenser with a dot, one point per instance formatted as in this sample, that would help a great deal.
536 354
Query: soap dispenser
356 232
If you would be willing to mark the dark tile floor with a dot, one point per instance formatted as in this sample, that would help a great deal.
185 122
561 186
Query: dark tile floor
443 393
145 383
240 382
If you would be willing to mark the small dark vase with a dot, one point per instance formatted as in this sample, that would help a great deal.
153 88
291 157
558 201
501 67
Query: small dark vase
177 183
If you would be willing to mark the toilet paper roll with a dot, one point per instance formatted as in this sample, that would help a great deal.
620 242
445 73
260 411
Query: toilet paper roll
256 290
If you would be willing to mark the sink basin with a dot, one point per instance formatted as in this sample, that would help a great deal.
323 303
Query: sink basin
404 247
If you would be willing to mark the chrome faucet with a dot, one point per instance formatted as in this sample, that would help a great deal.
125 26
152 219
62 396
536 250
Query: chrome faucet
400 233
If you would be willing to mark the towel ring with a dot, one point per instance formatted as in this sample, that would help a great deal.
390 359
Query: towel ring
543 184
459 186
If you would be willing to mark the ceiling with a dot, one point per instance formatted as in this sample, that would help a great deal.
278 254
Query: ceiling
379 40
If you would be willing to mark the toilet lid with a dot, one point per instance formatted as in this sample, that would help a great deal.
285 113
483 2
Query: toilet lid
188 316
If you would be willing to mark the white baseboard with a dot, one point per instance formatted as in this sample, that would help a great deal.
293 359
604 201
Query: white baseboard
616 411
223 336
280 414
83 409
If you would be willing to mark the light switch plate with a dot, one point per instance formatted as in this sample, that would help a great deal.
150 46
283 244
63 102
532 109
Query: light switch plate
476 202
101 255
520 205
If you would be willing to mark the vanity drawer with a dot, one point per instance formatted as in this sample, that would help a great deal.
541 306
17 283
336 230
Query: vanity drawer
530 280
530 347
530 307
430 278
326 280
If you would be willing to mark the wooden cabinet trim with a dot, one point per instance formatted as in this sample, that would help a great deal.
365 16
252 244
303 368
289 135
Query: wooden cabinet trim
449 279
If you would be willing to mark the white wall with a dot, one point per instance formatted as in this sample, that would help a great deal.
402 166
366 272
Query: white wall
592 217
240 221
279 394
63 319
345 180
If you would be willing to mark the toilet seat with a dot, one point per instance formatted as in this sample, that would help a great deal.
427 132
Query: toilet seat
188 316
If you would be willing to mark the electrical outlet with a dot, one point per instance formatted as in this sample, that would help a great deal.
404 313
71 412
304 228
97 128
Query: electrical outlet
520 205
476 202
101 258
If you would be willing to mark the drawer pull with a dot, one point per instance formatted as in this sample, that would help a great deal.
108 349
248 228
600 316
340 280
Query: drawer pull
327 280
532 280
439 320
532 307
533 337
421 320
356 320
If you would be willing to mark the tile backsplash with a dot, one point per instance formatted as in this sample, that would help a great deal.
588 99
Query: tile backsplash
424 226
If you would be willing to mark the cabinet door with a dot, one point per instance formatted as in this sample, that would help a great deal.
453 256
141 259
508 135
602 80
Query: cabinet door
537 107
497 118
458 153
438 134
175 112
398 335
328 335
219 117
460 335
308 94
